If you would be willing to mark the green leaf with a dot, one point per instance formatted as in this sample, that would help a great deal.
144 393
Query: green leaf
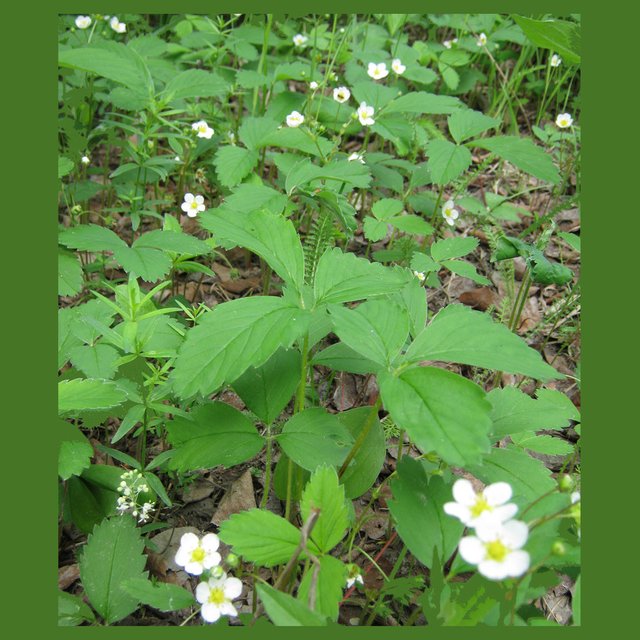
413 298
459 334
81 395
343 277
215 434
159 595
423 103
376 329
290 138
74 457
194 83
542 444
285 611
324 492
376 95
576 601
113 554
260 536
417 508
231 338
329 586
412 224
69 274
268 389
441 412
90 237
449 248
386 208
72 610
255 131
95 361
270 236
364 468
313 437
571 239
174 241
559 36
374 230
447 161
340 357
233 164
522 153
149 264
466 270
338 172
65 166
466 124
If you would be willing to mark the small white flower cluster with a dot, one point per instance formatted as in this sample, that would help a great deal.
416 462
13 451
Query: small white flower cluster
496 547
131 487
378 70
216 591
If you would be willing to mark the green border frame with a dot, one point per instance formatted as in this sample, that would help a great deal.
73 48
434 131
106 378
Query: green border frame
29 296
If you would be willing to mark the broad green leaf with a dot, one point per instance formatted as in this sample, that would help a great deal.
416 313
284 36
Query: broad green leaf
329 586
466 270
174 241
194 83
387 208
423 263
81 395
95 361
413 298
270 236
542 443
449 248
459 334
74 457
69 274
412 224
522 153
417 508
337 173
248 79
440 410
254 132
375 230
231 338
215 434
375 94
251 197
65 166
285 611
159 595
149 264
324 492
73 610
90 237
314 437
446 161
268 389
467 123
365 466
376 329
233 164
571 239
340 357
289 138
424 103
559 36
343 277
260 536
113 554
299 477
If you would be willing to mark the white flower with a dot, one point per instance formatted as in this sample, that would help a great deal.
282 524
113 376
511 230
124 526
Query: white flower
196 555
82 22
177 159
353 575
299 40
575 497
192 205
556 60
564 120
449 213
365 114
295 119
377 71
203 129
85 160
449 43
471 508
422 277
398 67
216 595
496 549
117 26
356 156
341 94
313 85
482 40
145 512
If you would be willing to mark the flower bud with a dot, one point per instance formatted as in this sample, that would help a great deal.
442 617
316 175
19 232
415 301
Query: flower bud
565 483
232 560
558 548
217 572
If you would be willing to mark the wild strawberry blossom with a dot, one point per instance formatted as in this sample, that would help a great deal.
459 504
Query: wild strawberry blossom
341 94
83 22
449 213
490 503
398 67
192 205
216 596
356 157
564 120
556 60
365 114
377 71
482 40
203 129
117 26
196 555
295 119
299 40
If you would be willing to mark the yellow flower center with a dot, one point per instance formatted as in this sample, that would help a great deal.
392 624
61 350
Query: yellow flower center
202 129
194 205
479 507
496 550
216 595
197 555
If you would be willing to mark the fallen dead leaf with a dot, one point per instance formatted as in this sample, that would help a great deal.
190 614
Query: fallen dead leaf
199 490
346 392
239 497
67 576
481 298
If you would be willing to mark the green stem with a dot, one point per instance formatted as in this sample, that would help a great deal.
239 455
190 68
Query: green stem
267 470
263 59
362 437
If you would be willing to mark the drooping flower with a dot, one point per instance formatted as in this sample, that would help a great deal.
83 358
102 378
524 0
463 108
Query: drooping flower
365 114
83 22
313 85
471 507
564 120
497 549
398 67
85 160
556 60
300 40
196 555
377 71
449 213
117 26
216 596
449 43
482 40
341 94
203 129
353 575
192 205
295 119
355 156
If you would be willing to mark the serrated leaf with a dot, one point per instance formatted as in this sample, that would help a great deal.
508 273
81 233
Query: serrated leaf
90 394
95 361
254 131
468 123
149 264
559 36
386 208
337 173
447 161
70 278
113 554
194 83
374 230
159 595
90 237
74 457
423 103
340 357
233 164
449 248
542 443
174 241
285 611
412 224
466 270
329 586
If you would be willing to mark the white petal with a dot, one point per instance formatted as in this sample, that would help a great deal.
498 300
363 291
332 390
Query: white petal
194 568
463 492
488 529
472 550
497 493
189 541
202 592
212 559
232 588
182 557
191 213
516 563
493 570
188 197
210 612
449 204
458 510
200 200
227 609
503 513
201 207
514 533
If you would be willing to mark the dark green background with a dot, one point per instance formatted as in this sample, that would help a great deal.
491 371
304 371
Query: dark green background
609 132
